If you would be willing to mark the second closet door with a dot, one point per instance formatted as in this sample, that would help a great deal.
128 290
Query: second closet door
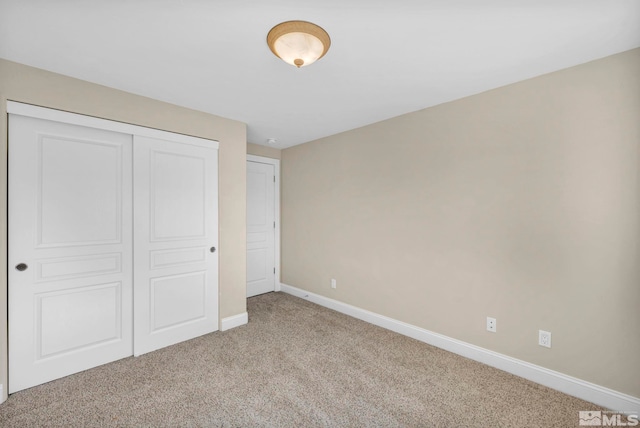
175 242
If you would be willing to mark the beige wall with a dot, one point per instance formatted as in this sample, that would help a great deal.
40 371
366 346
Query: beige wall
267 152
521 203
31 85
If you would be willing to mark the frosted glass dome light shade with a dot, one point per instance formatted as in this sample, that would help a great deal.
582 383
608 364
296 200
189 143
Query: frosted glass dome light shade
298 43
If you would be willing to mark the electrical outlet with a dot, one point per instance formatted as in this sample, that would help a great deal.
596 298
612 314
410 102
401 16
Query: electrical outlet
491 324
544 338
334 284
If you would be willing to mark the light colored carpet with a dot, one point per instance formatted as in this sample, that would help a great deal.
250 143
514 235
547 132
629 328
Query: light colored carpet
295 364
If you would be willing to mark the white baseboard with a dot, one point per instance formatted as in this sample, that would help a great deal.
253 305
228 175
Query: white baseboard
234 321
588 391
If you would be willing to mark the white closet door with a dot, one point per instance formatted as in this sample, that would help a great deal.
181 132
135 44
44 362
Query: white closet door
176 239
261 275
70 249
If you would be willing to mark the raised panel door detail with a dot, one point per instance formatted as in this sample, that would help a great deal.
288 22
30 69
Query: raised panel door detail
179 256
257 237
177 196
257 267
177 299
257 182
80 191
78 266
70 320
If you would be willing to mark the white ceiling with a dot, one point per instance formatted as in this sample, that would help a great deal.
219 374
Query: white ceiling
387 57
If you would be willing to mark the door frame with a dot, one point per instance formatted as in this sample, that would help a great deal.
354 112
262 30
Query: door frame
276 197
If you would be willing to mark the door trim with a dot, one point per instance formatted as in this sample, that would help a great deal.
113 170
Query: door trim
276 196
46 113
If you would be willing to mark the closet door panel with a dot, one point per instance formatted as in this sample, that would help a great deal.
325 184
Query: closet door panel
70 249
176 238
113 236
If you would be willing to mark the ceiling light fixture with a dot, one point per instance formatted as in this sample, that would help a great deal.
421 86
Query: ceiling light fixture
298 43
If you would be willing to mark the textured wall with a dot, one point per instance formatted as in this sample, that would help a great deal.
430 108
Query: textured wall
521 203
34 86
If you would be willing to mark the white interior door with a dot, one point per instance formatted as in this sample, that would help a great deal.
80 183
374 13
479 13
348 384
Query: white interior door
70 249
176 240
261 274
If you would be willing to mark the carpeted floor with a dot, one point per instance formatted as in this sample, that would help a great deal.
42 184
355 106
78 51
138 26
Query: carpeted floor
295 364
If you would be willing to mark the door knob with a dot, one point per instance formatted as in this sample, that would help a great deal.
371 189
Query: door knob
21 267
212 249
